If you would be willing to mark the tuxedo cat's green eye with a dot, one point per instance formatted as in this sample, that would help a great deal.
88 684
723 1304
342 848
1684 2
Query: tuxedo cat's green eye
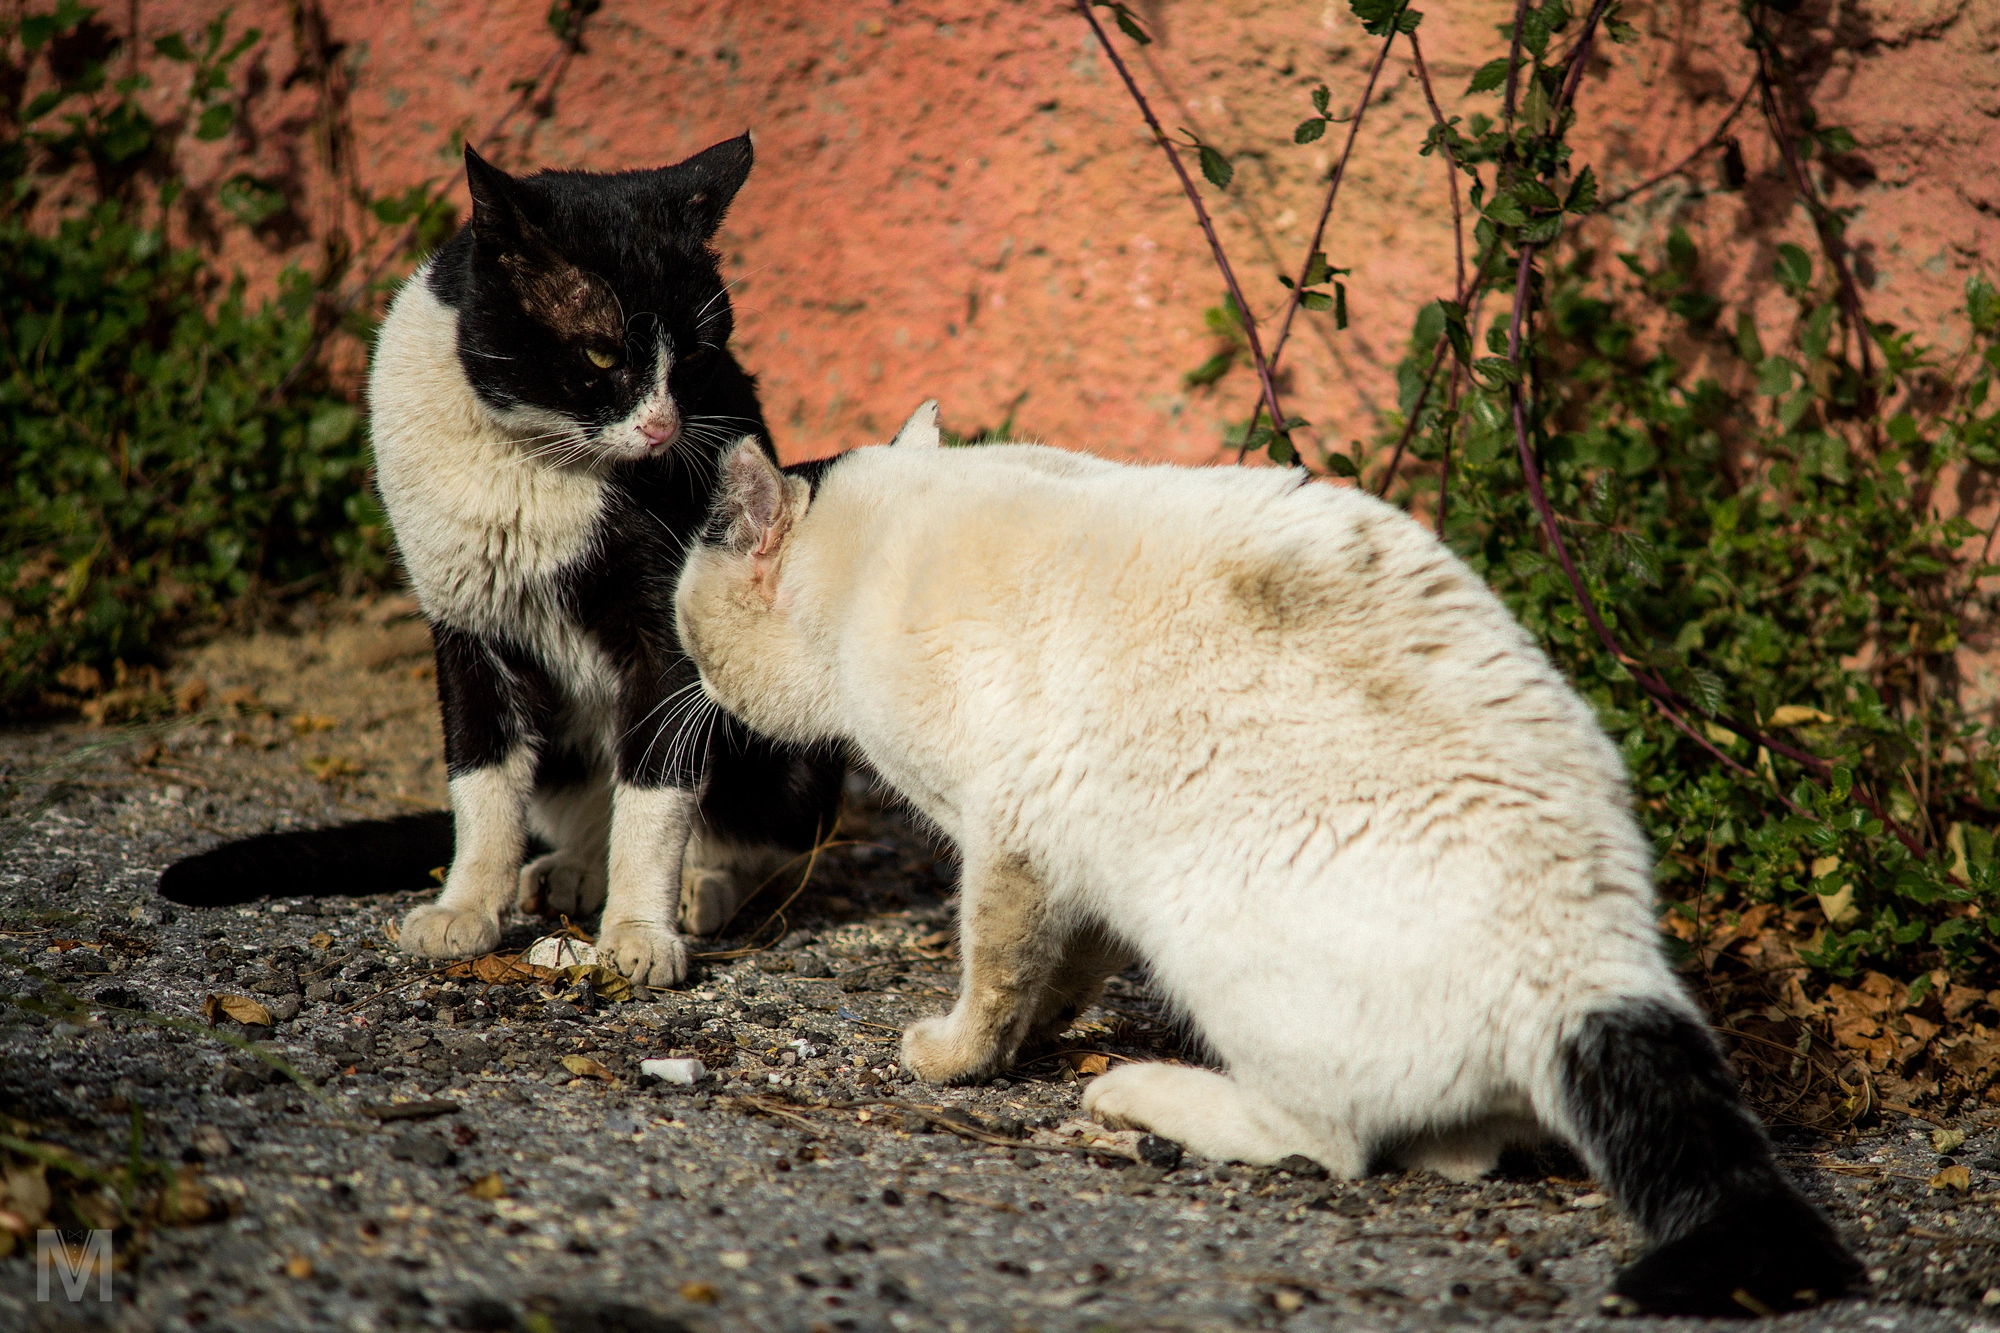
602 360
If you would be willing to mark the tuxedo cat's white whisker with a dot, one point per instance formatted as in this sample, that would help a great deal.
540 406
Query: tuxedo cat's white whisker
708 304
692 685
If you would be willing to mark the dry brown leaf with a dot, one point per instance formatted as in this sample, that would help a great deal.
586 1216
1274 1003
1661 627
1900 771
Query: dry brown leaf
701 1293
502 968
239 1007
321 940
1952 1178
391 931
585 1067
191 695
1088 1062
298 1267
28 1194
488 1186
609 984
304 724
1791 715
333 767
240 697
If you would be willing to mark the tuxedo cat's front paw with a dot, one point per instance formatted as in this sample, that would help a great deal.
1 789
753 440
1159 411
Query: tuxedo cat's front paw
432 931
941 1050
648 955
560 884
708 899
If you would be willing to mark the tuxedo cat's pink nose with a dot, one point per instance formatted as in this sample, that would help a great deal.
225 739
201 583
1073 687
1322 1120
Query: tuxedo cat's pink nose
658 431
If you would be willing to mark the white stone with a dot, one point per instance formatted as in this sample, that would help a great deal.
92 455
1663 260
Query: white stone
562 951
684 1072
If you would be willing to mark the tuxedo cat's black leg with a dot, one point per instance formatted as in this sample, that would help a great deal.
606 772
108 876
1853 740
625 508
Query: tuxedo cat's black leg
493 703
652 814
1656 1114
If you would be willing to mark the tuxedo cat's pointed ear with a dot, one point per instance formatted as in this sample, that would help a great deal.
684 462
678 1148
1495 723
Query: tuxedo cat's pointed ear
751 515
921 430
704 185
496 214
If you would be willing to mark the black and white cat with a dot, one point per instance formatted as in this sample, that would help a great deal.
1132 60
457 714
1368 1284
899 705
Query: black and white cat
550 395
1280 745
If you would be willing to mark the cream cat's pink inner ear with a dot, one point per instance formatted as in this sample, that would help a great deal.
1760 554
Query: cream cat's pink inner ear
756 491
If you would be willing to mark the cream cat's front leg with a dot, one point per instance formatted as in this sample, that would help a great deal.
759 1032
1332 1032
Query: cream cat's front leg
1025 964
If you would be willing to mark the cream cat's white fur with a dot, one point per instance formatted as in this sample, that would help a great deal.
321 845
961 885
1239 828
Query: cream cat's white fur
1271 737
1276 742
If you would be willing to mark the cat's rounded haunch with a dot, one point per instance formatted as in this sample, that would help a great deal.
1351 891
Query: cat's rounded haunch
1277 743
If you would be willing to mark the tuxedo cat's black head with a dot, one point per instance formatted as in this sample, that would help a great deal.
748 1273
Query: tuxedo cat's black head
591 316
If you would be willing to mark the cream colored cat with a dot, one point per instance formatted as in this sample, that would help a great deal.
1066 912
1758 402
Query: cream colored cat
1273 740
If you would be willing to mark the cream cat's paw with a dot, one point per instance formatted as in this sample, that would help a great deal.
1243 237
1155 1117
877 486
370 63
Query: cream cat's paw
708 899
560 883
648 955
432 931
942 1050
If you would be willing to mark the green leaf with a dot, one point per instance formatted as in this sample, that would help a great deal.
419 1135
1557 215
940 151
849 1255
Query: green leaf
1748 345
1491 75
215 122
1319 99
1535 109
1130 26
1541 230
1506 210
1340 305
1774 376
43 103
1535 194
174 47
1498 368
1316 300
1281 450
1836 140
252 201
1318 270
1794 268
1309 130
1211 370
1582 193
1902 428
1340 465
1216 167
1377 16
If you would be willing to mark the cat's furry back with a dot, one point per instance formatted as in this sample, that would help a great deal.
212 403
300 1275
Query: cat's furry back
1278 743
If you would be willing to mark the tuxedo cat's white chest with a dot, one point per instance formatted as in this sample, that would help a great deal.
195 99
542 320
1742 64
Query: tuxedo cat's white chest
483 524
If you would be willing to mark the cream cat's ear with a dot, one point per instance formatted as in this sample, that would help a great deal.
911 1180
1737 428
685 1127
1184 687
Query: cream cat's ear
753 501
921 430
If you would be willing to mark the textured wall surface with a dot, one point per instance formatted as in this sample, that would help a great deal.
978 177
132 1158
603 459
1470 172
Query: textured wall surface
959 201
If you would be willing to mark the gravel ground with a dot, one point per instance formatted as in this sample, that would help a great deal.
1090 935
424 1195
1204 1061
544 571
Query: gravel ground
438 1164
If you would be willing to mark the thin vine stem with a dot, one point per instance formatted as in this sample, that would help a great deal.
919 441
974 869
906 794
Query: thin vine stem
1270 388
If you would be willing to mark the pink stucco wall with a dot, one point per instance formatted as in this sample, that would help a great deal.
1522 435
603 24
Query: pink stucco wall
958 201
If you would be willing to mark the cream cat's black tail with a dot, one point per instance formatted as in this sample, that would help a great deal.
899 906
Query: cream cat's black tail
1658 1117
375 856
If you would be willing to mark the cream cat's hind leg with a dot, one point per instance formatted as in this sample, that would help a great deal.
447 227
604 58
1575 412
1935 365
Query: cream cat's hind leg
1213 1115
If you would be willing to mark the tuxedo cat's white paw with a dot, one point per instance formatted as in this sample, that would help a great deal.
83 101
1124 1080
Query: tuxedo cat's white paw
708 899
648 955
943 1050
560 883
432 931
